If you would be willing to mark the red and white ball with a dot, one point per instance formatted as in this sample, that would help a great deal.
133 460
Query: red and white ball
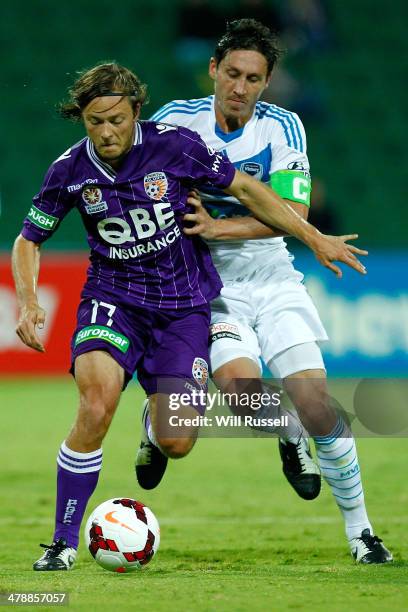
122 535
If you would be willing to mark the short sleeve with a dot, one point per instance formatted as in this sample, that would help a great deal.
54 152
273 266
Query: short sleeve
202 163
288 142
49 206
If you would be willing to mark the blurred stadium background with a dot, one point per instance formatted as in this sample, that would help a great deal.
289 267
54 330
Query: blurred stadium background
242 539
343 73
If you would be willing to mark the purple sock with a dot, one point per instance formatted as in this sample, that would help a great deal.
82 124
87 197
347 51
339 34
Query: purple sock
77 477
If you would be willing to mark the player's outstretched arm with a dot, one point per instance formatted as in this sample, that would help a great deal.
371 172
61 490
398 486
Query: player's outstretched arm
25 260
270 208
233 228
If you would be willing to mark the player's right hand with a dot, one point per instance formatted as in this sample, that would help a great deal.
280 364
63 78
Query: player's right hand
204 225
31 316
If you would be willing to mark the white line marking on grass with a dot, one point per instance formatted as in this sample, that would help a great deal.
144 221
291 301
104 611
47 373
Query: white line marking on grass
227 520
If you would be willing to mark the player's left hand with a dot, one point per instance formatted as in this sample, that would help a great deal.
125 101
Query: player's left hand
335 248
204 225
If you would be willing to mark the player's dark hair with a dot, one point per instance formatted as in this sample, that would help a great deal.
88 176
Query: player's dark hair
104 79
250 35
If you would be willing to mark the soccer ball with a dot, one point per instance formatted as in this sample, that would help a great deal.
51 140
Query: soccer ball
122 535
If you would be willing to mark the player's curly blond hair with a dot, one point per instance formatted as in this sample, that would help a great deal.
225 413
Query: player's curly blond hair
107 78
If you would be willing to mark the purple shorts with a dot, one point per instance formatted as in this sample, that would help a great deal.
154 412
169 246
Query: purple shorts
159 345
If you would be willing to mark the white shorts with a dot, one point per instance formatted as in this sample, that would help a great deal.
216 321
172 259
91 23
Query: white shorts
266 318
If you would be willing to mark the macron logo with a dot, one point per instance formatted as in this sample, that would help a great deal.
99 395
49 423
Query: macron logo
65 155
161 128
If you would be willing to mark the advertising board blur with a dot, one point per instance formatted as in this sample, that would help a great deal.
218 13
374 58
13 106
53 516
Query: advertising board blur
366 317
60 283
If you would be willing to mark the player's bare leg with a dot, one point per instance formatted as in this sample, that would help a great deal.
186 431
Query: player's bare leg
100 380
175 440
161 440
337 457
298 466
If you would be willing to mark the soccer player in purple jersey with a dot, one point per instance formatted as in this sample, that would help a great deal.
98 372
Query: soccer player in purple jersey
145 303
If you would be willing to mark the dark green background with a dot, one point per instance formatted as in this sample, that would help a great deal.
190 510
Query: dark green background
359 148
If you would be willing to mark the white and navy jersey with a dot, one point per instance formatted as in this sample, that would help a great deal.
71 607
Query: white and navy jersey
272 140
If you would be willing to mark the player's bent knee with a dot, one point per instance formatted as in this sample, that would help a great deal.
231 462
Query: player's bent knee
101 394
243 367
94 419
313 405
176 448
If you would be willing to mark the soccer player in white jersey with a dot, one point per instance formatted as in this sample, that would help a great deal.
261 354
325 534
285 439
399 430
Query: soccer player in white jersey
264 309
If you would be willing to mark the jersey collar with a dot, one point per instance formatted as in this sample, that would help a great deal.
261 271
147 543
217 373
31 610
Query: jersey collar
103 167
230 136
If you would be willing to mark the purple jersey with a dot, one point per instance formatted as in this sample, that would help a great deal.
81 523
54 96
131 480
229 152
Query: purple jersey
134 216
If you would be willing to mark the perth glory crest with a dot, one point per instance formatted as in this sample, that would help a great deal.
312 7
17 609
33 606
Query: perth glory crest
200 371
155 185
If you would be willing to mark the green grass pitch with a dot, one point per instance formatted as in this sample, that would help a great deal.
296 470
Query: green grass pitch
234 536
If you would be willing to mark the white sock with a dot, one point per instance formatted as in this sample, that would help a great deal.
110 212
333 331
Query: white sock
149 429
338 461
